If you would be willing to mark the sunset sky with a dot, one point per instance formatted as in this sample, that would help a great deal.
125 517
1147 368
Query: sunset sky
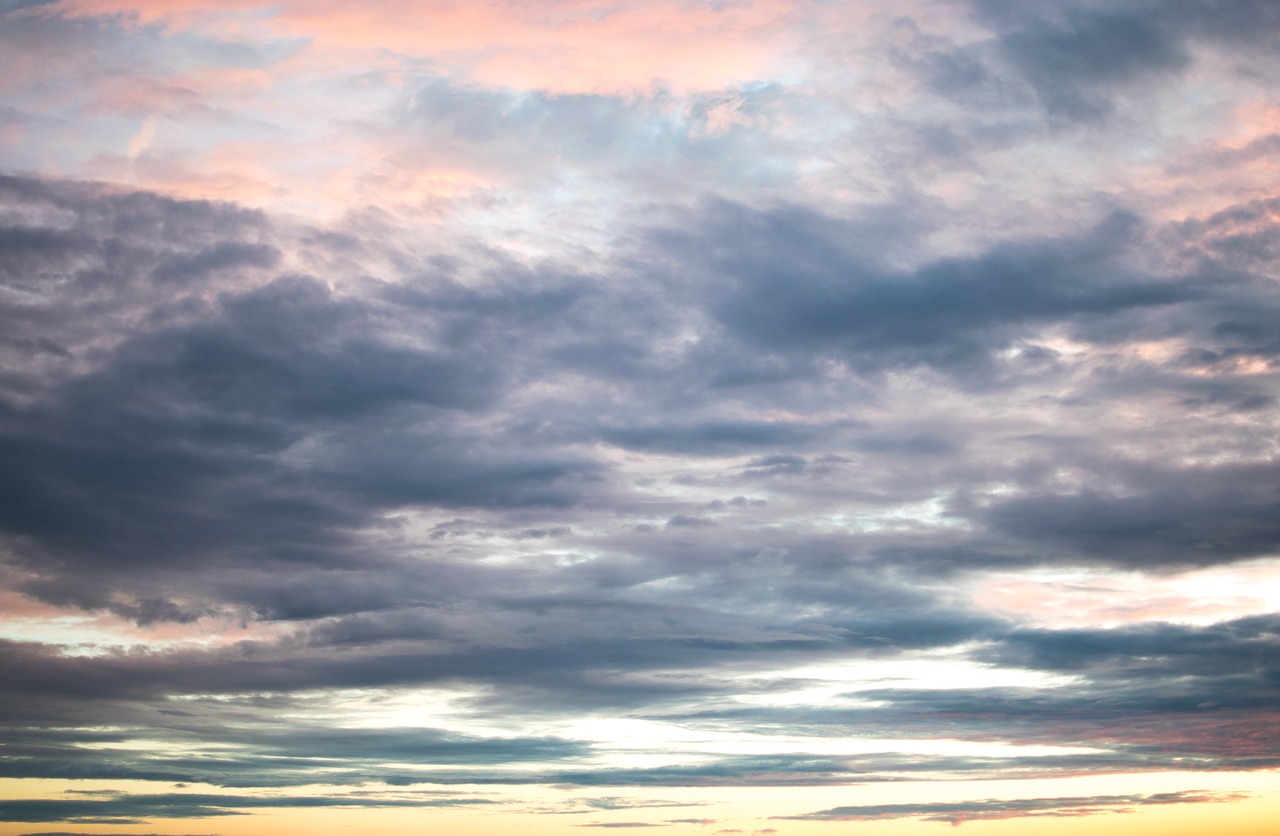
719 416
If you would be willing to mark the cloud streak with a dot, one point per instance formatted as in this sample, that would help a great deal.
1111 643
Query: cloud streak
959 812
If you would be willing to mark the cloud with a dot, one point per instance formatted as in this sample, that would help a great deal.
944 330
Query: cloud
621 824
1193 516
120 808
266 757
790 283
573 48
711 438
1077 57
235 373
624 396
64 833
959 812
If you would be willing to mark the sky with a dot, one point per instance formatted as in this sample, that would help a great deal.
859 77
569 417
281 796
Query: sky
798 417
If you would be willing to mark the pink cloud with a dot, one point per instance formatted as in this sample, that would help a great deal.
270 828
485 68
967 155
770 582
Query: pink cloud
1201 596
563 46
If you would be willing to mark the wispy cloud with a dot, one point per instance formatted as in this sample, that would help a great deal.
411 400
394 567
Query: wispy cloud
957 813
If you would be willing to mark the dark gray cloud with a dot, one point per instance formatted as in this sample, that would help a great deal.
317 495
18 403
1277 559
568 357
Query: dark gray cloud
790 280
1068 64
748 441
273 418
120 808
262 755
276 366
183 436
1193 516
1080 58
65 833
712 438
1241 648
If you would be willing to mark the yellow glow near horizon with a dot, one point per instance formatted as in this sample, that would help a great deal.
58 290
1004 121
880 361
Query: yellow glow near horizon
542 811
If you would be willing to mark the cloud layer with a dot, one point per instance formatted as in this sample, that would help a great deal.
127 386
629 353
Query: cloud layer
680 426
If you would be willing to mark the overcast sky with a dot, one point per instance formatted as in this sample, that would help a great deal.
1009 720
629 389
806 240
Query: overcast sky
750 416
